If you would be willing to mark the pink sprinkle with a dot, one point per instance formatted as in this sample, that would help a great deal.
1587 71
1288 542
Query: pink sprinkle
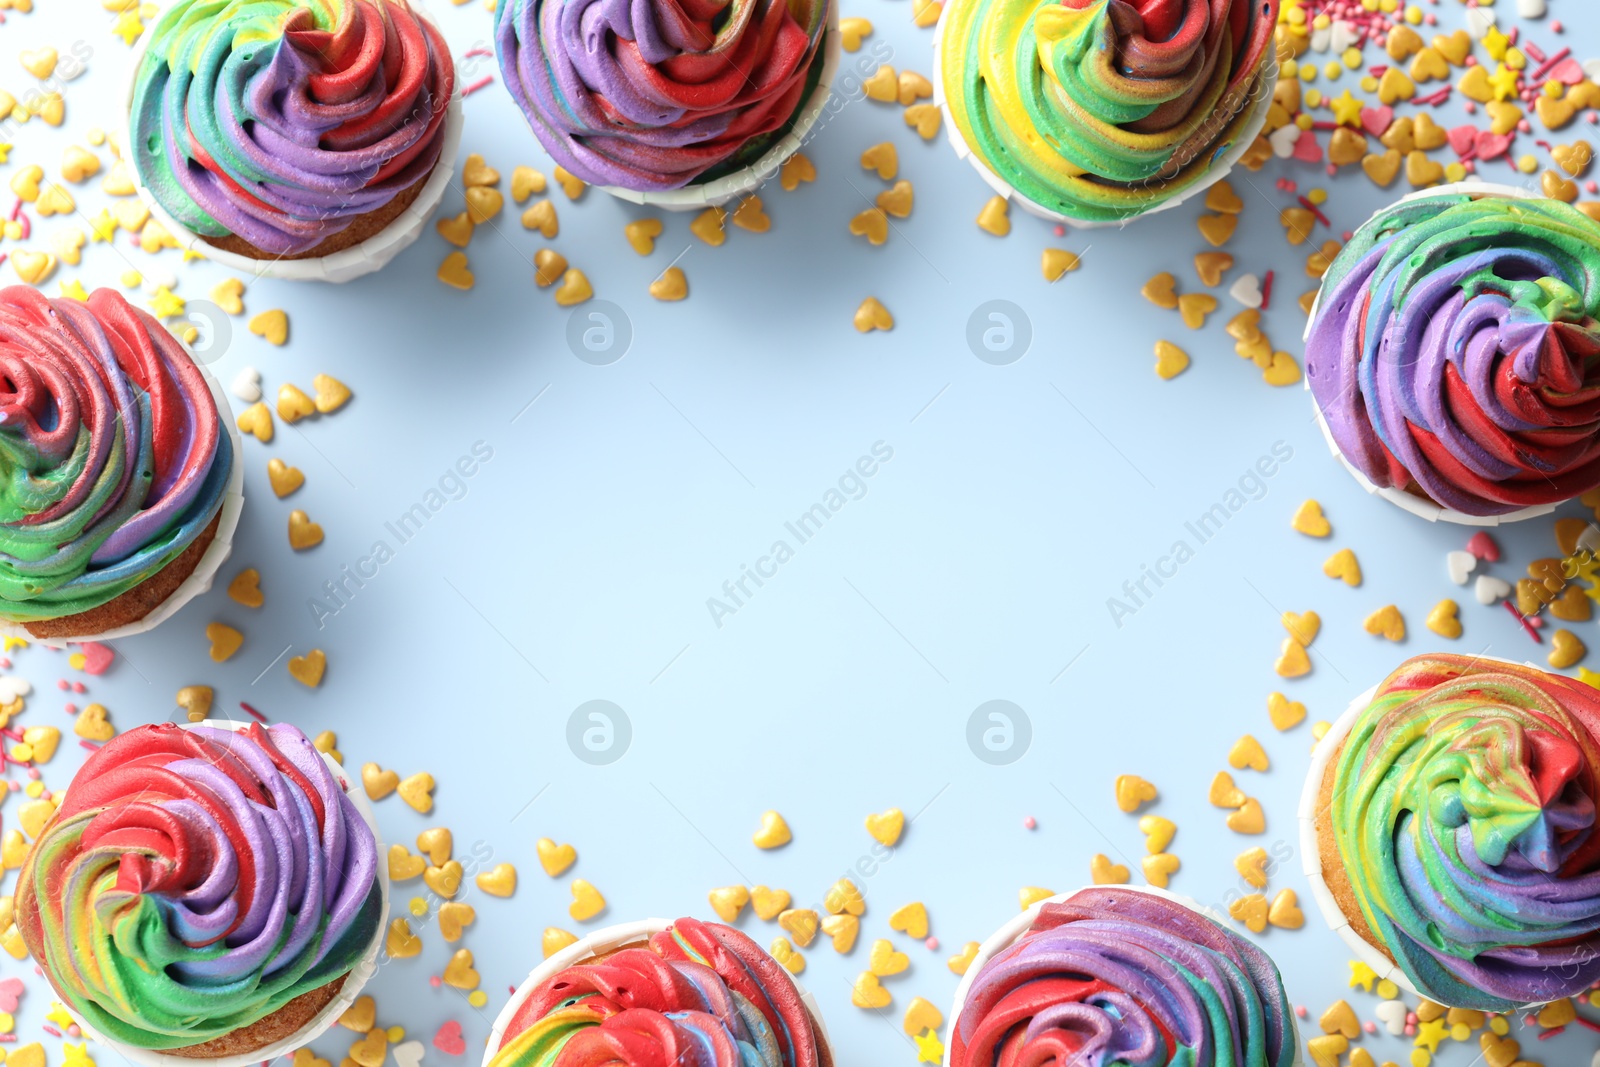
1524 126
63 685
74 1031
932 944
1552 1032
1300 1010
1431 19
482 83
70 709
258 716
1556 27
90 745
1530 1019
1332 170
78 687
8 1038
52 1031
435 981
27 227
1411 1031
1471 166
1534 52
1060 230
1029 822
475 52
1370 1027
33 773
1591 186
16 209
1411 1018
1266 290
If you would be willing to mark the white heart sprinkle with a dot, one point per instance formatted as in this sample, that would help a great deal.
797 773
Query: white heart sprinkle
1488 589
1341 35
1480 20
1283 139
1392 1014
1591 68
247 385
1531 9
1460 565
1589 540
1246 290
12 687
156 278
1320 39
407 1053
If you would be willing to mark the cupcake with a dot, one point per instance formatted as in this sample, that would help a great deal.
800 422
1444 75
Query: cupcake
1454 354
123 490
294 138
1448 826
659 992
669 103
207 893
1116 974
1094 112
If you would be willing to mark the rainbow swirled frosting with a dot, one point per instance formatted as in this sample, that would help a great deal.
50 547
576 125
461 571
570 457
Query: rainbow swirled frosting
1104 109
1464 814
655 94
700 995
281 121
1122 978
1456 349
195 881
113 457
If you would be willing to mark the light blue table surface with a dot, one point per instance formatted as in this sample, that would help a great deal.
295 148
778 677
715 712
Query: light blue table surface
1008 504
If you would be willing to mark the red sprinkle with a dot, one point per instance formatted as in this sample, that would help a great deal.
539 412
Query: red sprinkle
90 745
1552 1032
1266 290
52 1031
16 209
258 716
472 53
1534 52
1309 206
1519 617
1434 99
482 83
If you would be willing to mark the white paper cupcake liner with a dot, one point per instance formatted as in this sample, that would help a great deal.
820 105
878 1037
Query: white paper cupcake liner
211 560
1220 168
1018 925
357 978
1311 856
736 186
1419 506
347 264
609 939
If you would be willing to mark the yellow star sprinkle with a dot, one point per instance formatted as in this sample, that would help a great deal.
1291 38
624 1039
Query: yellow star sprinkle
1362 976
77 1055
1503 82
166 304
74 290
5 151
190 255
1431 1033
128 26
1346 109
1496 43
1588 677
102 227
929 1048
58 1015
